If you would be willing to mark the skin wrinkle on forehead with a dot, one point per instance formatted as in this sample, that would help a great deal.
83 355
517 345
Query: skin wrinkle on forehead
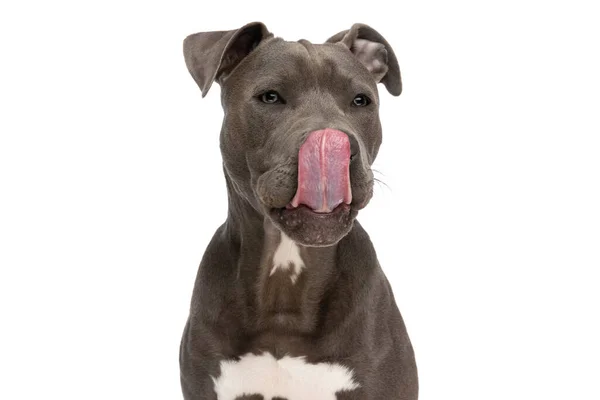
315 60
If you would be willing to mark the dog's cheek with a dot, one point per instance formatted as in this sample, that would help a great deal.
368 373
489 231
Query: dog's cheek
275 188
362 186
371 136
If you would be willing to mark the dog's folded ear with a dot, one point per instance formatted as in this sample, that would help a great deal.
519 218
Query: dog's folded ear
374 52
211 56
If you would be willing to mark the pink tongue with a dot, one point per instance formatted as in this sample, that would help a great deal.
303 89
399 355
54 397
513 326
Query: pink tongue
323 171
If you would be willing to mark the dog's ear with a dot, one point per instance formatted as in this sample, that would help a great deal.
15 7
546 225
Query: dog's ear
374 52
211 56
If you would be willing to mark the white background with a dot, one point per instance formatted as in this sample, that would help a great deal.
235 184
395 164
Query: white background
111 186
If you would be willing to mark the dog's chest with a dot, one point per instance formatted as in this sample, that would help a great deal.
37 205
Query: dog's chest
275 365
262 376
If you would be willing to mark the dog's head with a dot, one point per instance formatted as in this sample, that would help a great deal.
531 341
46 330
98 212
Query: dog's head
301 127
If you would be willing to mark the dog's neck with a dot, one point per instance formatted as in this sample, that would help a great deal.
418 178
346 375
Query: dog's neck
282 280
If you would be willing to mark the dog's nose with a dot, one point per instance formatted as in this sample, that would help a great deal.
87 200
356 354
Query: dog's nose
354 147
324 171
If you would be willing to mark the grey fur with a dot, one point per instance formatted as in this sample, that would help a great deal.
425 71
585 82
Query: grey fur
342 308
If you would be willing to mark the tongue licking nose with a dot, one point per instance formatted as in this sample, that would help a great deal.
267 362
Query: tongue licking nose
324 171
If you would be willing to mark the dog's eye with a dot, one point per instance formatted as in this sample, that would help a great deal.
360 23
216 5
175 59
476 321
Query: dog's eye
271 97
361 100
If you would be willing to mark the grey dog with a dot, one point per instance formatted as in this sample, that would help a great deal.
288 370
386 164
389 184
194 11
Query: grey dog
290 301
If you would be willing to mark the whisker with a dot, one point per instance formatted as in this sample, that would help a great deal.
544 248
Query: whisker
382 183
377 171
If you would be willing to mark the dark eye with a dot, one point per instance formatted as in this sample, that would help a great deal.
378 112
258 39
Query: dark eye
271 97
361 100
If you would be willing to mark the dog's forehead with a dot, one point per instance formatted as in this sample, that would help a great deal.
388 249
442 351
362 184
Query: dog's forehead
314 52
290 58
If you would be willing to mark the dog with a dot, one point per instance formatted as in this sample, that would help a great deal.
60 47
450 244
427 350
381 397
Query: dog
290 302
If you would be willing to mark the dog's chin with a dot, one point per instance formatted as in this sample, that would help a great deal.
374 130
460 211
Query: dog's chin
312 229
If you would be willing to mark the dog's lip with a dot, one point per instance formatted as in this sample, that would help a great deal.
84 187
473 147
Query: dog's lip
303 208
354 205
340 206
303 211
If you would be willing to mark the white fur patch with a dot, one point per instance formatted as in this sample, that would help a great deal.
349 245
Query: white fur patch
287 256
290 377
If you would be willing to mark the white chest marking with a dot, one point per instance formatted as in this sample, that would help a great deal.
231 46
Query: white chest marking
287 256
290 377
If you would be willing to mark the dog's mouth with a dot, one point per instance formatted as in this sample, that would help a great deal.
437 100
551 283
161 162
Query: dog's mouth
290 211
320 213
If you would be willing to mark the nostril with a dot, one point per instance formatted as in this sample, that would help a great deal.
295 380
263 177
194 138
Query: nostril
354 147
